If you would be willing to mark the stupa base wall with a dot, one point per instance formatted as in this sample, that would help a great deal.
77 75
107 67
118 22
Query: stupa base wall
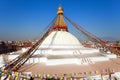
70 51
58 57
78 61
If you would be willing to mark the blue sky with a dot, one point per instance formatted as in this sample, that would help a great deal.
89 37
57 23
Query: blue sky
26 19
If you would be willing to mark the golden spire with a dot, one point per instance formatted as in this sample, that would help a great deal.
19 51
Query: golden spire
59 23
60 10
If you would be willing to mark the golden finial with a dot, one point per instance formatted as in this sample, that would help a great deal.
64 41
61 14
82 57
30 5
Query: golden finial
60 10
59 23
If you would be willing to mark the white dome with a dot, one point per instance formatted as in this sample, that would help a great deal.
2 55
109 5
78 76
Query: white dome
61 39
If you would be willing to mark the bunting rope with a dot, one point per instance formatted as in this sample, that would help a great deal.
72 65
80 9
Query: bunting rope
15 75
93 37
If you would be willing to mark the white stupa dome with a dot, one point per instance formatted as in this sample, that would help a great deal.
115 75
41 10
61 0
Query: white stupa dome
61 39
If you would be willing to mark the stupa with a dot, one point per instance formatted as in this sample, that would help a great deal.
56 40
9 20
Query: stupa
61 47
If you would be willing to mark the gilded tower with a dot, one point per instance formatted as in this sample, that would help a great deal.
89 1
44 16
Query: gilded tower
59 23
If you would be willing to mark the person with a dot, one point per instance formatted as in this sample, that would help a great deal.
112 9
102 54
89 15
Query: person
31 78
